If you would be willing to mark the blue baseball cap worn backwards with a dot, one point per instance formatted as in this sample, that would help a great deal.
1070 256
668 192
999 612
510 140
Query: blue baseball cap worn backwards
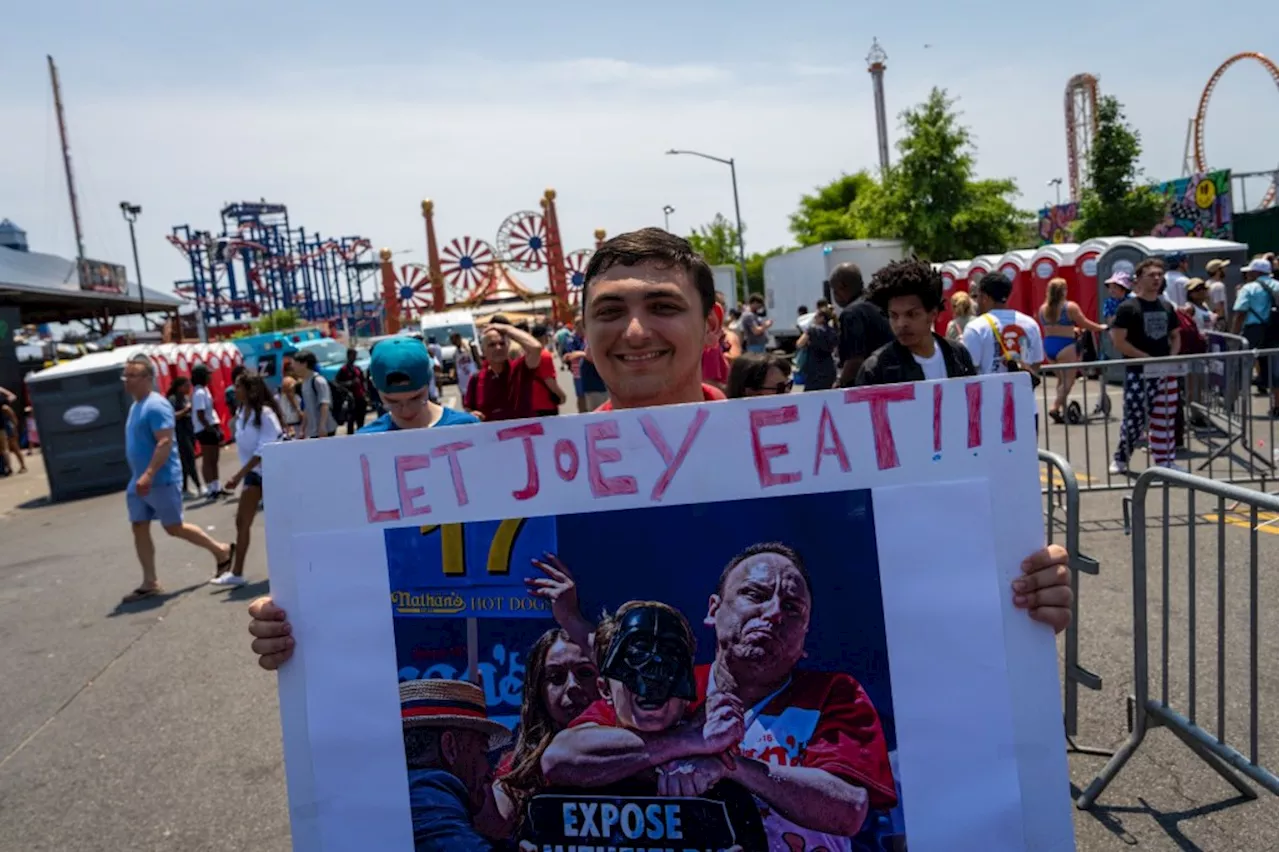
400 365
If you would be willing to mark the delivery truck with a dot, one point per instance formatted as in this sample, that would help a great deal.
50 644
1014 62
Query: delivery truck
798 279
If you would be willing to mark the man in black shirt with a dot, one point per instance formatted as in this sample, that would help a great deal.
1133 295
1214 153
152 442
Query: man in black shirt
863 328
180 398
352 379
910 292
1145 326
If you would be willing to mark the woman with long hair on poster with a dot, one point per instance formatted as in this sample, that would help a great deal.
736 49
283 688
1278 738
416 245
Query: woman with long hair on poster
561 680
258 423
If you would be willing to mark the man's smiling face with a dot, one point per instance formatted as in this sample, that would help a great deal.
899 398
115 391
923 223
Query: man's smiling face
646 331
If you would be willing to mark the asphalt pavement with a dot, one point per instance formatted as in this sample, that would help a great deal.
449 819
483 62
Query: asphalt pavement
150 727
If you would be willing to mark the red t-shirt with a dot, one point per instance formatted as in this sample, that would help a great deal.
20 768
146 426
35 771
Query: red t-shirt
709 394
540 396
822 720
715 366
501 396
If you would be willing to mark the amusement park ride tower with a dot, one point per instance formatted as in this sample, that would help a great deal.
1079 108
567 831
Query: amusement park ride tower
875 67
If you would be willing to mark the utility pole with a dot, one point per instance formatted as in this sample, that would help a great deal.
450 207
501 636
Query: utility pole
66 164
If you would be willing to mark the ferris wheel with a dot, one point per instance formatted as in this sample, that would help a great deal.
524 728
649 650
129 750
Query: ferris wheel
522 241
465 264
414 289
575 273
1203 108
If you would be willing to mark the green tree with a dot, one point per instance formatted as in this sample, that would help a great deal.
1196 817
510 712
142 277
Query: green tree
717 241
929 198
828 214
278 321
1116 202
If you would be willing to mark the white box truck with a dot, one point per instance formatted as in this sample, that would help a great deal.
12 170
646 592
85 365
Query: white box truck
799 279
726 278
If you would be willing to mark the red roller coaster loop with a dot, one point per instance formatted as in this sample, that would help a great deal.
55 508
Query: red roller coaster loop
1203 108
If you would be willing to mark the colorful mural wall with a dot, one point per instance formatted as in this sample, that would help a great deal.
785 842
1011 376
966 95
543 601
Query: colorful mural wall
1198 206
1056 223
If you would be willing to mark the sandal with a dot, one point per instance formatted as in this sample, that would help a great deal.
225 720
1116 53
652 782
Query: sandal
1055 415
225 565
141 593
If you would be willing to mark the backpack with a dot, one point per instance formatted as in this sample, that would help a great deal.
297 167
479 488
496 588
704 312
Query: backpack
1190 340
341 399
1270 335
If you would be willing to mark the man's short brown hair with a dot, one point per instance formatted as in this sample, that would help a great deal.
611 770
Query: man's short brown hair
1148 263
656 245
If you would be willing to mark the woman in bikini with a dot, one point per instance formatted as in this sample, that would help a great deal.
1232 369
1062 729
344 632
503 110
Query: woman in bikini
1060 318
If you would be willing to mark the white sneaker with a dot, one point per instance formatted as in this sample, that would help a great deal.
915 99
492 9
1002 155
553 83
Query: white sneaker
229 579
1118 467
221 579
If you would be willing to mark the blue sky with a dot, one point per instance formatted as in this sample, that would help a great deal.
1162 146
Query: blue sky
351 113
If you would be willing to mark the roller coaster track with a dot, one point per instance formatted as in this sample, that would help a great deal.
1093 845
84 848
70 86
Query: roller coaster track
1202 163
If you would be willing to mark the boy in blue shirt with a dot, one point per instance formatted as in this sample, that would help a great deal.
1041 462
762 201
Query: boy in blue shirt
402 373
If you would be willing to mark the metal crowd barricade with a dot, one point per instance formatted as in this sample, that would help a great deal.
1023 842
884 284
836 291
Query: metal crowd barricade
1074 675
1227 433
1159 711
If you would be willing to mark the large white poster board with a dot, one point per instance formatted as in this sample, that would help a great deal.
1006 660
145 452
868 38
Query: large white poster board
402 556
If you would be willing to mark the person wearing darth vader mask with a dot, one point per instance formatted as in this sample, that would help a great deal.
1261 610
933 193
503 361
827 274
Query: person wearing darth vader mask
645 652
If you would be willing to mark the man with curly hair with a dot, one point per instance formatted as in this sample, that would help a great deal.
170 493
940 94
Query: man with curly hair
910 294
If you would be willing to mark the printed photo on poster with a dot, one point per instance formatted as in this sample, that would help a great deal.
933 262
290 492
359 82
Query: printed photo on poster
760 621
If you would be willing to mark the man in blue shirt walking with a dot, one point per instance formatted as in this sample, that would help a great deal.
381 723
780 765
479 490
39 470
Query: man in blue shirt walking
155 488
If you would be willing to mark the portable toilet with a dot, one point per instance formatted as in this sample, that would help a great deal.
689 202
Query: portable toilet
1125 254
980 266
953 272
1059 261
1015 265
80 408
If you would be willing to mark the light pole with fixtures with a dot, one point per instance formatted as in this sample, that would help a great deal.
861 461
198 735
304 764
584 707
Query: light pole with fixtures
130 212
667 210
1056 183
737 211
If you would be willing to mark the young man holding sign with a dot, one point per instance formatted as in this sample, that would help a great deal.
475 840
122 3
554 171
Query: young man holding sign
648 315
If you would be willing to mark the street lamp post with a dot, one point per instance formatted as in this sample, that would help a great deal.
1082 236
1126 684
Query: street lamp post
737 210
667 210
1056 183
130 212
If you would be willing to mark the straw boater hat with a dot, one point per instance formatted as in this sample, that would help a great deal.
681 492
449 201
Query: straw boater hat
449 704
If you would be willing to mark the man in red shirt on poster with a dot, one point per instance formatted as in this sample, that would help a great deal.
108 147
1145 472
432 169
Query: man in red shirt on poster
503 389
810 747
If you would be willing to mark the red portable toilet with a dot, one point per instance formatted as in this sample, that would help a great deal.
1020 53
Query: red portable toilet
955 274
980 266
1059 261
1087 254
1015 266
